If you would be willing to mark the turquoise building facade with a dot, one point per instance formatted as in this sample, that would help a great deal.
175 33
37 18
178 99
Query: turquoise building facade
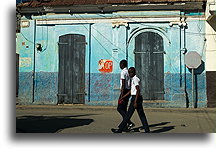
111 37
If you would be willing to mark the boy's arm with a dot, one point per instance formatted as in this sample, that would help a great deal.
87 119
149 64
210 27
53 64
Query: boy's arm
137 95
123 87
127 94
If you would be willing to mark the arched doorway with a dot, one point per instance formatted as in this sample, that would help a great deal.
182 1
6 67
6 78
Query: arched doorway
149 63
71 77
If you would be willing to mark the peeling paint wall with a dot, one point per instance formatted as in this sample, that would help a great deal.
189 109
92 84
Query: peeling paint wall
108 41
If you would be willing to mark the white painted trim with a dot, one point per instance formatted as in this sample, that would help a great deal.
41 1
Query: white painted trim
201 18
161 32
110 20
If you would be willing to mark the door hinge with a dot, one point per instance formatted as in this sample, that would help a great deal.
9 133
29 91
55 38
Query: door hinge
82 93
164 52
61 43
159 92
82 43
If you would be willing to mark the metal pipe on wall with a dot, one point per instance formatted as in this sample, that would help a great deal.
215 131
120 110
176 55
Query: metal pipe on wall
185 68
127 28
180 61
185 74
33 73
89 87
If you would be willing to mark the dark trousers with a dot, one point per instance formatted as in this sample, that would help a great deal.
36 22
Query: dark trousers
122 107
140 112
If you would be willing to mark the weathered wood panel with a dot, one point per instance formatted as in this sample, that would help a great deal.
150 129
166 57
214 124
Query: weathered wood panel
149 62
71 87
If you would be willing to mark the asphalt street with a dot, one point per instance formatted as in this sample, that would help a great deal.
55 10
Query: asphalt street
100 119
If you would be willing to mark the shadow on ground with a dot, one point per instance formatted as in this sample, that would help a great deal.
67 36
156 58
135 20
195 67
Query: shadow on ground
48 124
160 128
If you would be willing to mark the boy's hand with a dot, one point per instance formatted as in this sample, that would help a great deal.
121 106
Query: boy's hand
120 101
135 105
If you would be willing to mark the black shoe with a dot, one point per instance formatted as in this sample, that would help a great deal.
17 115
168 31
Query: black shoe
148 131
126 129
116 130
130 125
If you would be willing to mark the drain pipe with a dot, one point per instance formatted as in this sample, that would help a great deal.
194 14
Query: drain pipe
180 64
33 73
127 28
185 74
89 87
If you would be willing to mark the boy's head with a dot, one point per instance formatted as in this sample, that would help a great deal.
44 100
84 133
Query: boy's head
132 72
123 64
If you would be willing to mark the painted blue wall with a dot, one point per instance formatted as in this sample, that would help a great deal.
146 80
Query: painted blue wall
20 1
107 42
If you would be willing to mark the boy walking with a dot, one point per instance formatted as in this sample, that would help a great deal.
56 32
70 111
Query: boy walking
136 103
125 88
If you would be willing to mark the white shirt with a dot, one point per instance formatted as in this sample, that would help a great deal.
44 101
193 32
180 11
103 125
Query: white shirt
134 82
125 76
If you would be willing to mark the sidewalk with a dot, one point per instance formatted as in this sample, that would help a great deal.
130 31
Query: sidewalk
100 119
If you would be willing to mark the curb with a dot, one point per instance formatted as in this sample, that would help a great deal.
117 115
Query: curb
96 108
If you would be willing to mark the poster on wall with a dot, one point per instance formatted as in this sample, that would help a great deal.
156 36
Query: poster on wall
105 66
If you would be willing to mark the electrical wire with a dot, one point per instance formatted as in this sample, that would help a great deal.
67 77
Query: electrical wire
171 88
47 33
26 38
99 42
123 44
130 19
193 33
118 48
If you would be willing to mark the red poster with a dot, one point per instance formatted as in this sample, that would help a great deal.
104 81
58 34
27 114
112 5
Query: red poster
105 66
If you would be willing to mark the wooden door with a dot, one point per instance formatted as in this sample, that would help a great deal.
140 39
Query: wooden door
71 78
149 63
